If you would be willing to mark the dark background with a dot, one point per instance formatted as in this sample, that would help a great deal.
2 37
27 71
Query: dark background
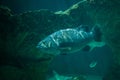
19 6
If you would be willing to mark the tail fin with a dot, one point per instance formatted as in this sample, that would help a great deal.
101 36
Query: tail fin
97 33
98 37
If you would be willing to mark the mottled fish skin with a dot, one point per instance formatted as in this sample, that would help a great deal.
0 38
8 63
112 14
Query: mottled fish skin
65 41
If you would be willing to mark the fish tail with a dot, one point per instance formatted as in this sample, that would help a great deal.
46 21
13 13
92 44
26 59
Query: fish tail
98 37
97 33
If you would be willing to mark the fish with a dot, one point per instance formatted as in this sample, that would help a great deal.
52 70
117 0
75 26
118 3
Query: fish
71 40
93 64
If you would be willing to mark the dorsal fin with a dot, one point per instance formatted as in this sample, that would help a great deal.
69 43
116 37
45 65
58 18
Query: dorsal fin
85 28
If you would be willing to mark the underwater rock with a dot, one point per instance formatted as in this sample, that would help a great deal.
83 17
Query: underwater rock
5 12
106 13
78 12
10 73
18 39
20 35
113 73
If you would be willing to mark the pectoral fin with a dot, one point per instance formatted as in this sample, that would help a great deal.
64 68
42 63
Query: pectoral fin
88 48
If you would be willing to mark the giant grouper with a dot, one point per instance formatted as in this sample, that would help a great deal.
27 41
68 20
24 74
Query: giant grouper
72 40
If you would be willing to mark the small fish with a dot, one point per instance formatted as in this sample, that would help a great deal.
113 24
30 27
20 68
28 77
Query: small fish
71 40
93 64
